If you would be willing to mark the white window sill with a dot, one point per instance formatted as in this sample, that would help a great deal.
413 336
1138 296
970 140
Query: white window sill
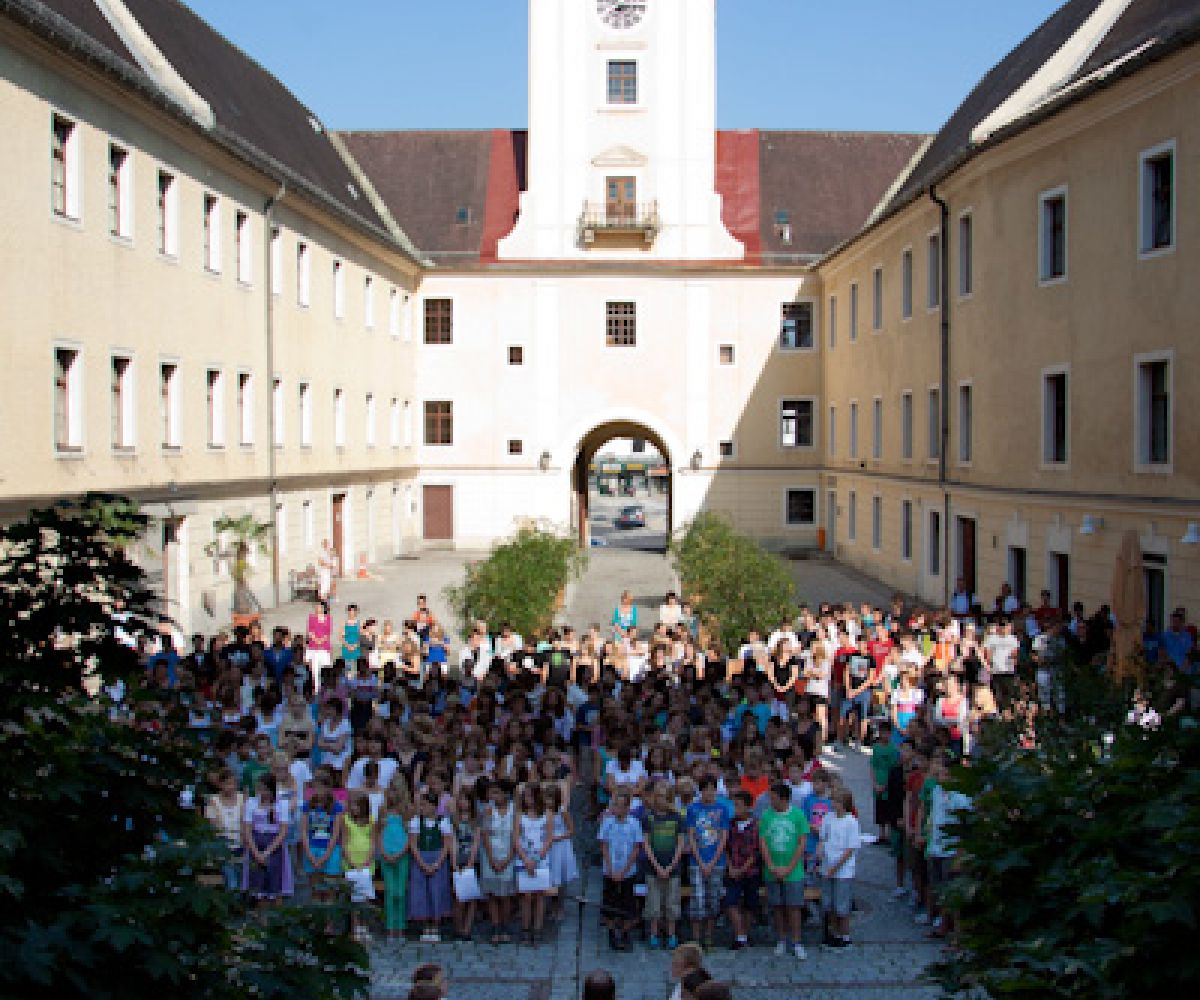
70 454
121 240
1155 252
70 221
1051 282
1154 468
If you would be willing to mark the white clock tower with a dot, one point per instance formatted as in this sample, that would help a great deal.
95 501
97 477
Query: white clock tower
622 134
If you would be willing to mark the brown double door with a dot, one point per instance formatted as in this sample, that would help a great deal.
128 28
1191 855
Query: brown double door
438 513
620 203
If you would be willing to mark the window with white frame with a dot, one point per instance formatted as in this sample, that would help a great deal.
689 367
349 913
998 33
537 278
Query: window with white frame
726 449
965 423
966 255
906 425
276 260
832 322
214 395
244 235
68 399
1157 188
245 408
370 419
394 422
303 275
120 192
877 300
394 312
369 302
876 523
310 524
726 355
211 222
169 409
122 403
853 311
1052 235
934 270
277 410
935 543
1154 416
1055 418
854 430
796 327
64 167
935 424
796 423
167 206
877 428
852 516
339 290
906 283
906 532
622 81
339 418
306 415
832 430
800 507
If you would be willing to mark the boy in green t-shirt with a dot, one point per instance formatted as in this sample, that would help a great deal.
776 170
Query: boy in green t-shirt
663 829
782 835
884 756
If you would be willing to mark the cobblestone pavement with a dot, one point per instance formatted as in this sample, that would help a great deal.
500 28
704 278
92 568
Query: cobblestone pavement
886 959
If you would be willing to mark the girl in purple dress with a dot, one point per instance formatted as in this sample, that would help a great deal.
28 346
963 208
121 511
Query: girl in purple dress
267 871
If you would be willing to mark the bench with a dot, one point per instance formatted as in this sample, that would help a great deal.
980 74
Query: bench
304 582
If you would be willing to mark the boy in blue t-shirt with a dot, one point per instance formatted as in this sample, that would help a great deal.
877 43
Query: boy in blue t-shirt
707 831
620 838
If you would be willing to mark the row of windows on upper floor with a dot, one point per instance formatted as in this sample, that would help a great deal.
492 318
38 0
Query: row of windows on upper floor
69 421
1153 424
66 203
1156 235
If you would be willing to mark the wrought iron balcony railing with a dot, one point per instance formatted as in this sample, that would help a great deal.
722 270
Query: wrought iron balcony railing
603 220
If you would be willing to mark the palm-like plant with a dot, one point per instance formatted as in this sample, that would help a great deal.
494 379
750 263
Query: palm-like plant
247 535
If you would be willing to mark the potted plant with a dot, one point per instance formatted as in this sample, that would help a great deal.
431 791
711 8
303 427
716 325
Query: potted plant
244 535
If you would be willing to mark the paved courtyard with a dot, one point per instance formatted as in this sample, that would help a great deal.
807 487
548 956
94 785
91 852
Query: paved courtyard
889 951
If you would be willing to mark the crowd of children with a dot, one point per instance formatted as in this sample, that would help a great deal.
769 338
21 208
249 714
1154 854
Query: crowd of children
447 788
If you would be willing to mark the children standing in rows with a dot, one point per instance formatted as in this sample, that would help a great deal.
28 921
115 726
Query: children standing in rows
783 833
358 856
268 870
497 869
663 835
564 869
429 895
392 831
321 839
745 868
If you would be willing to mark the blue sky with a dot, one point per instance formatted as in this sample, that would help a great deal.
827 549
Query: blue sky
884 65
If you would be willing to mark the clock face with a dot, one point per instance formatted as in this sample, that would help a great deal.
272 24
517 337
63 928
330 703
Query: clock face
621 13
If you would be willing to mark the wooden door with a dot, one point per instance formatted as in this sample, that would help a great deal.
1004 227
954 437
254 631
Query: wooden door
339 532
621 199
438 510
966 549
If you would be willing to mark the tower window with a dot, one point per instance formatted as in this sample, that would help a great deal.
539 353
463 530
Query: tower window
622 81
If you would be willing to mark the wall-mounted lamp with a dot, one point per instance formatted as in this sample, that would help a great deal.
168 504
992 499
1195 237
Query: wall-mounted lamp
697 460
1192 535
1091 524
544 461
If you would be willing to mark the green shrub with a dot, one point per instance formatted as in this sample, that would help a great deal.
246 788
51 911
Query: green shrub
734 584
519 582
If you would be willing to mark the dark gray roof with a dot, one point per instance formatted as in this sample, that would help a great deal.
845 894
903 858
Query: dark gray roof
86 16
1163 23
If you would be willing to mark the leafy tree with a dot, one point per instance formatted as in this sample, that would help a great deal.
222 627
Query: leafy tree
519 582
106 878
734 584
1079 863
248 536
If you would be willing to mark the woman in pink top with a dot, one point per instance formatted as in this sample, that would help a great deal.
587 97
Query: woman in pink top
318 655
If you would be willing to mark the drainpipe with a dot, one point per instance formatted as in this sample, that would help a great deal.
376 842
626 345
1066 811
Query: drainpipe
269 310
944 392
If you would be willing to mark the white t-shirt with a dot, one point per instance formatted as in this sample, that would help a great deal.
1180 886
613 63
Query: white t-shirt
839 833
1002 651
780 633
387 770
818 683
301 774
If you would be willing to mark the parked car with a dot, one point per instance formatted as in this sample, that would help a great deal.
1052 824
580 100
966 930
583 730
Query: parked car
631 517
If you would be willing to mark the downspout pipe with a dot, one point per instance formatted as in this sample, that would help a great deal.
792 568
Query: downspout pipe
269 316
944 392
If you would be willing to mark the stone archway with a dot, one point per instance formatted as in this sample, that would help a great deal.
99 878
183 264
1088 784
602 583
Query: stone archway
586 450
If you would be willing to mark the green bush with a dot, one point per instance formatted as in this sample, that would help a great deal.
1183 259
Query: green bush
102 891
735 585
519 583
1080 860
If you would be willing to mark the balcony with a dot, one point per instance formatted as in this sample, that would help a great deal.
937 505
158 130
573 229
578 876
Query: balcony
619 226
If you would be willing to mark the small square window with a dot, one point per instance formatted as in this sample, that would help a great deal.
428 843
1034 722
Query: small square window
801 507
727 354
725 449
796 326
621 324
516 447
516 354
622 81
